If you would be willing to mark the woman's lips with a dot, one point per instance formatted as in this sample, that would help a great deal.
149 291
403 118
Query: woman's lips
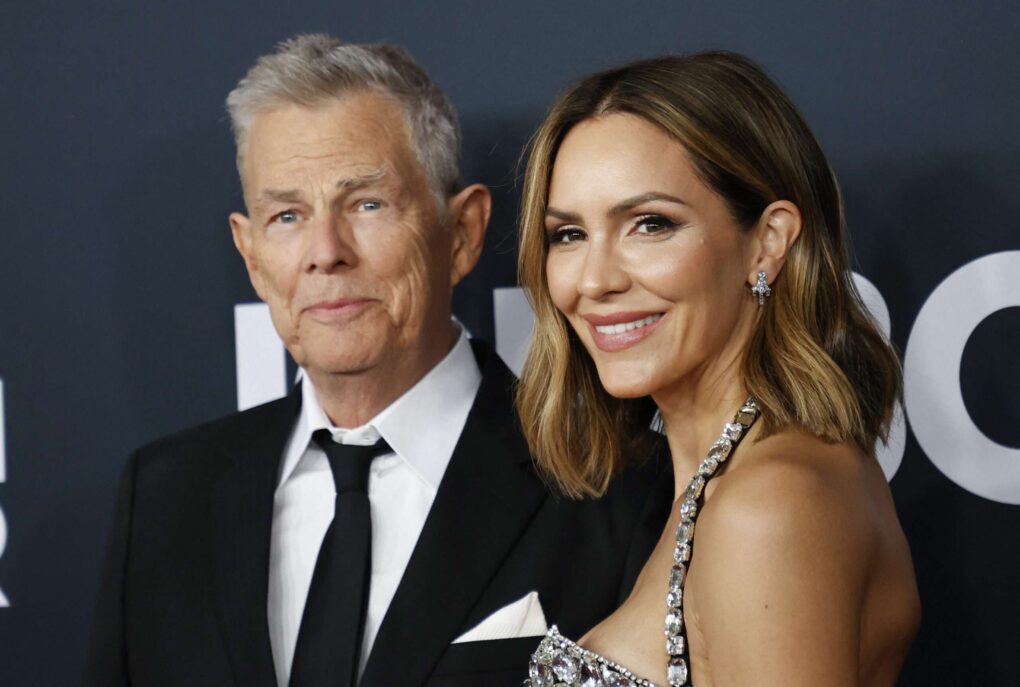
619 331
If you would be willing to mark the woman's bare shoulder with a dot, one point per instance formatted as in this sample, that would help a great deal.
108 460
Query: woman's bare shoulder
793 463
795 489
781 560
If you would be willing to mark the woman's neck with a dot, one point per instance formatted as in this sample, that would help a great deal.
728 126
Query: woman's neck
694 414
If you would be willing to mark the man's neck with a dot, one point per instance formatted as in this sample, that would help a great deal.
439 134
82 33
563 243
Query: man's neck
351 400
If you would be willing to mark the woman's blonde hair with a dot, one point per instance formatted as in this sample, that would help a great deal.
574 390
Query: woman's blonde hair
816 359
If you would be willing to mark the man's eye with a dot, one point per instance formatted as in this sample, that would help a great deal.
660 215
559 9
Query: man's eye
566 235
653 224
370 205
285 217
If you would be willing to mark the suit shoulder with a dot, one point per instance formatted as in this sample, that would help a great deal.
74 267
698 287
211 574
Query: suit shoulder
223 433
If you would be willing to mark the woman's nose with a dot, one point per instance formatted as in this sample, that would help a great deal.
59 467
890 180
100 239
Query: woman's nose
603 273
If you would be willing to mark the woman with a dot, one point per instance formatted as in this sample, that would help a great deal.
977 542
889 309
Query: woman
684 247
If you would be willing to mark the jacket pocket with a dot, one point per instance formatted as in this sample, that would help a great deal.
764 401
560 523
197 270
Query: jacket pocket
509 656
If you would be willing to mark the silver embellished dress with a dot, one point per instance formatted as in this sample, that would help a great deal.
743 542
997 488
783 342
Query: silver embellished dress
559 662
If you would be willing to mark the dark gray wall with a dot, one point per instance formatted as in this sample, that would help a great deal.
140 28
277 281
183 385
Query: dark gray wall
118 277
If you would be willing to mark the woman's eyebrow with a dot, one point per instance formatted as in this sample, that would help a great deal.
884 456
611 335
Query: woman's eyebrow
620 208
632 202
562 215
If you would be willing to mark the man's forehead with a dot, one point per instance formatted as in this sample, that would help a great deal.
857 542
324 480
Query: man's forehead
362 120
347 143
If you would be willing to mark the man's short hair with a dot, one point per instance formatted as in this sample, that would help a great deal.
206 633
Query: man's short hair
311 69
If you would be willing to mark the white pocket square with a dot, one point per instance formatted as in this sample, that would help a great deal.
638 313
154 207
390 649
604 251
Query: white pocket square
522 618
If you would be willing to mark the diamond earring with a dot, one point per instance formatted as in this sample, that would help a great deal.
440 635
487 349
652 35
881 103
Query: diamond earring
762 288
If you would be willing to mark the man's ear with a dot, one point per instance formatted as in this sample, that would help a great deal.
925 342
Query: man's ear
469 213
776 232
241 230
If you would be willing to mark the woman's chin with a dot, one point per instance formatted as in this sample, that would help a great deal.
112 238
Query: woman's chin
626 388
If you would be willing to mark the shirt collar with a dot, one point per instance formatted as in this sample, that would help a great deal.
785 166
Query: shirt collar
422 426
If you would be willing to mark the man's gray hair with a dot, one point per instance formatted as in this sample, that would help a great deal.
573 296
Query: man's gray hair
311 69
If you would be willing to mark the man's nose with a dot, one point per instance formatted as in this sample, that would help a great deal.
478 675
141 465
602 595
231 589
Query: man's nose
603 272
330 245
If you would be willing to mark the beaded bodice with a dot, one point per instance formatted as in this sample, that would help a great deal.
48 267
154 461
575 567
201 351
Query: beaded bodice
559 662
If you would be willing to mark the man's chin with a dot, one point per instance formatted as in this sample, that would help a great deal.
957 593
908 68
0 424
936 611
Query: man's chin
342 366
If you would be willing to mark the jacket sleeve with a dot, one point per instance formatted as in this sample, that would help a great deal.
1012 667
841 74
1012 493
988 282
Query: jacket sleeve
106 659
652 518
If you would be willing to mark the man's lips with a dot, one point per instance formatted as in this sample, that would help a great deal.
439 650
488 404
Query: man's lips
617 331
338 308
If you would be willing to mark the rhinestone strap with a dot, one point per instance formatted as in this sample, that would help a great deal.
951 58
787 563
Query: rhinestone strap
678 671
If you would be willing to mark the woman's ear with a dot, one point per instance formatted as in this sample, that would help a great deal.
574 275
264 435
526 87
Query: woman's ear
776 232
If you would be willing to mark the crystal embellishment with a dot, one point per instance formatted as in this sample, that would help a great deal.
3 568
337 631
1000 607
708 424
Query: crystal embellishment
685 532
694 488
675 645
564 667
541 675
589 675
676 673
674 622
677 576
544 653
617 680
708 467
720 450
733 430
745 416
549 668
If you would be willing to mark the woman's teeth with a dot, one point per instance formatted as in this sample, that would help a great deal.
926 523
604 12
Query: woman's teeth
627 326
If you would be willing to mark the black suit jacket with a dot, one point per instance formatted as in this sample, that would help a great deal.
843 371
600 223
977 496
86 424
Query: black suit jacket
182 599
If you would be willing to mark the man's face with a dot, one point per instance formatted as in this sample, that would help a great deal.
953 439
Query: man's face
344 240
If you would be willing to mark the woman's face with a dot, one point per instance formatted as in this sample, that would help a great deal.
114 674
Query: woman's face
645 260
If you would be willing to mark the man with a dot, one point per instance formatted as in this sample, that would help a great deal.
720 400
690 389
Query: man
239 554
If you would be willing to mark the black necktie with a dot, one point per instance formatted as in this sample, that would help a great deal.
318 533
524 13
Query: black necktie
329 639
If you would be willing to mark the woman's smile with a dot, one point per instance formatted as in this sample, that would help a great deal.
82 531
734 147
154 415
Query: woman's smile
621 330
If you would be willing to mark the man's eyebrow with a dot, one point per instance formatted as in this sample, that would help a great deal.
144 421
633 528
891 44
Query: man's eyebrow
346 184
361 180
280 195
618 209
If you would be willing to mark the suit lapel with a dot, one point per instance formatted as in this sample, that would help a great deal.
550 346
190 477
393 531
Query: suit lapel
488 495
242 521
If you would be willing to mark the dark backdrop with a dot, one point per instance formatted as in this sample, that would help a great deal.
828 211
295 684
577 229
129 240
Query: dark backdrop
118 279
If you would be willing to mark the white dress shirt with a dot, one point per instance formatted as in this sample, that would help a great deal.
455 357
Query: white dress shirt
422 427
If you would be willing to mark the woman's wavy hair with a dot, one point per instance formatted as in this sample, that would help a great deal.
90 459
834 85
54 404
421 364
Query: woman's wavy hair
816 359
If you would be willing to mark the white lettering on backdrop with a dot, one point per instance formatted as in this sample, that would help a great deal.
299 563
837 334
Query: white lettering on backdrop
934 401
261 360
4 603
938 416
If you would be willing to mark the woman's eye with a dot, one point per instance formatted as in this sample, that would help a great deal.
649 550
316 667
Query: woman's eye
566 235
370 205
653 224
